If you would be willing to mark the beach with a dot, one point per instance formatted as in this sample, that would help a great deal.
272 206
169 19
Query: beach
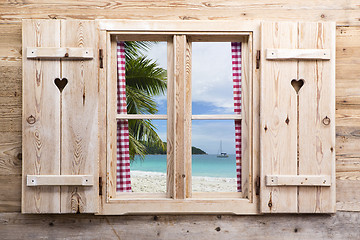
155 182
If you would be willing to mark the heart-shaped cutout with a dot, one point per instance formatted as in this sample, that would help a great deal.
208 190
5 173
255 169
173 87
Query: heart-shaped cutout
297 84
60 83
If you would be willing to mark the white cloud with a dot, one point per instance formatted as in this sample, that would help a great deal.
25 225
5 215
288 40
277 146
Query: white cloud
212 75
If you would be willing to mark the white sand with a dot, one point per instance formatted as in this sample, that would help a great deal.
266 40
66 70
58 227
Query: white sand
156 183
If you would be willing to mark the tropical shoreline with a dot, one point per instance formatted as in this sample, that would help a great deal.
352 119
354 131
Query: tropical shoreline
155 182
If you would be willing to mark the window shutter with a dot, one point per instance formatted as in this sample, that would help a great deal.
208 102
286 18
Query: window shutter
297 115
60 116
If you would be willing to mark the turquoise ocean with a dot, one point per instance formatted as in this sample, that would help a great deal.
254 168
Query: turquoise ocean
202 165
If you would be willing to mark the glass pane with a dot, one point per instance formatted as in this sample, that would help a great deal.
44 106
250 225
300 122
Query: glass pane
212 83
146 77
148 172
214 171
142 83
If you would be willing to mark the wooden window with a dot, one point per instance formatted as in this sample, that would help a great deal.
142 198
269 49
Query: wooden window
69 117
179 119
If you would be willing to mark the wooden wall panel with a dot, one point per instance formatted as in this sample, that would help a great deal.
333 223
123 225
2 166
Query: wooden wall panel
341 226
348 118
344 12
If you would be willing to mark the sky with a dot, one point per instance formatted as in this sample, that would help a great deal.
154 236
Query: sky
211 94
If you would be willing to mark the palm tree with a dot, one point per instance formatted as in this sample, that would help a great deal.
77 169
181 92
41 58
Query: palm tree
144 80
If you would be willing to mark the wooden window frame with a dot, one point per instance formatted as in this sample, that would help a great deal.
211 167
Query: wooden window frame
179 198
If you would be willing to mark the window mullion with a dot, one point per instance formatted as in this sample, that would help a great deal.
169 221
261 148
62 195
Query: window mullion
180 139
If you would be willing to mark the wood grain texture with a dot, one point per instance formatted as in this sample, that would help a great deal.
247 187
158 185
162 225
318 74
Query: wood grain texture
60 180
316 102
347 189
80 146
188 119
141 116
347 72
216 117
10 153
170 162
179 121
41 100
102 123
10 45
298 180
344 12
342 226
247 110
10 197
278 114
63 53
111 124
306 54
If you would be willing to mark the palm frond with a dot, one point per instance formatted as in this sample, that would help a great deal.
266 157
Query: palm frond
144 74
144 80
134 49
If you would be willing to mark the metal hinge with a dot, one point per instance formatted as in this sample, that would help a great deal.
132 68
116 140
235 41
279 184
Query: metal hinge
258 59
100 186
101 57
257 186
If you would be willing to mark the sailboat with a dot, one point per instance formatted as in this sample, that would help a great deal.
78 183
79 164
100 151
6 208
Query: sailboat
222 154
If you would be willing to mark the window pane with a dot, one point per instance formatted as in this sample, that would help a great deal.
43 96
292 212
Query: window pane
212 83
214 171
146 76
142 84
148 173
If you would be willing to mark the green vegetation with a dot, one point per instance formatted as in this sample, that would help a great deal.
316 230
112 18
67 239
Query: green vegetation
195 151
155 149
144 80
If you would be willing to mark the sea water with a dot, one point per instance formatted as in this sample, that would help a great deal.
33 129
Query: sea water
202 165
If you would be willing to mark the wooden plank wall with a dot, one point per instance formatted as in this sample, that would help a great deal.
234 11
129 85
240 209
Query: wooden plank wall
345 12
342 226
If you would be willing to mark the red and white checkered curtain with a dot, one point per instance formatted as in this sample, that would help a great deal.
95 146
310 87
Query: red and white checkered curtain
236 69
123 180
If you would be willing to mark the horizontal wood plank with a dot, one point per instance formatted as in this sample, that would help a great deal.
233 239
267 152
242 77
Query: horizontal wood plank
298 180
302 54
10 153
141 116
60 180
10 189
217 117
341 226
60 52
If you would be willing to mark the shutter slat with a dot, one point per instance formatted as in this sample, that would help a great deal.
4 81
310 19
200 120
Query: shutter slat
298 54
41 117
317 102
80 154
278 103
64 53
60 180
297 180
